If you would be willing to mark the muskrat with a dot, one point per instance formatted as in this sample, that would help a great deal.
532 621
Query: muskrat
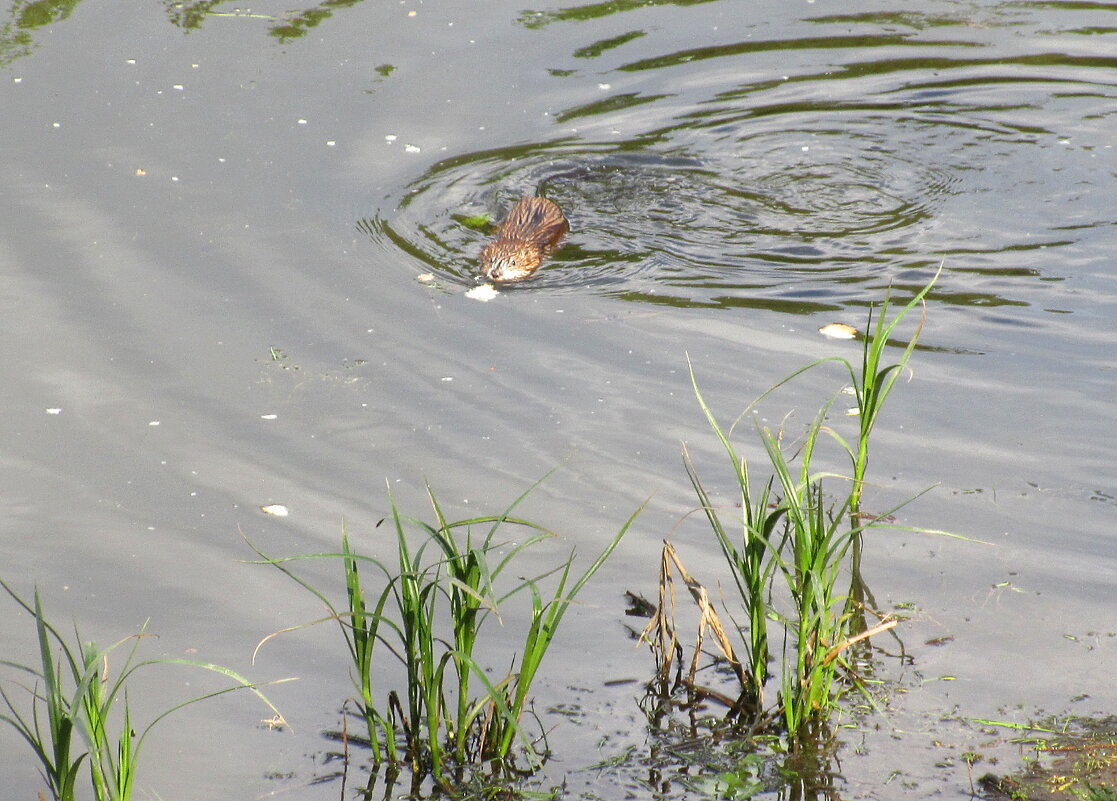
532 229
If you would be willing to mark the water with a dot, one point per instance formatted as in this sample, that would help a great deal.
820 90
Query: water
185 192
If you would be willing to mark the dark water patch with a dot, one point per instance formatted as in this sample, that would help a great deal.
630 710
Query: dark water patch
782 45
614 103
588 11
597 48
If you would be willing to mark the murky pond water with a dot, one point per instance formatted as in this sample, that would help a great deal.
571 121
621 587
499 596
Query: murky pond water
210 231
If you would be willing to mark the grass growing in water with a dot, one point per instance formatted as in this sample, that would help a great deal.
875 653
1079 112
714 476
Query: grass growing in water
74 687
427 614
810 536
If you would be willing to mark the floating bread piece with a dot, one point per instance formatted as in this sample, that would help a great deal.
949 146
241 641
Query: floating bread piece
483 292
838 331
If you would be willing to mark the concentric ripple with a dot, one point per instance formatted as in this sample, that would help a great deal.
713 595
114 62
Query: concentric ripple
717 215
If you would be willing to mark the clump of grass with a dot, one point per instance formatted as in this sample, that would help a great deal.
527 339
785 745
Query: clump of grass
427 614
805 527
73 722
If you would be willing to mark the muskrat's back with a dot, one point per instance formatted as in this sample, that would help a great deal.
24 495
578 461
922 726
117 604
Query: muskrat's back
532 229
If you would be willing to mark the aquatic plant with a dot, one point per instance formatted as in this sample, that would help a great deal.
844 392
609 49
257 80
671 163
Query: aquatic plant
75 688
804 526
427 614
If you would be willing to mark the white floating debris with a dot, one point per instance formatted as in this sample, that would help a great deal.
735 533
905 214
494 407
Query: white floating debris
153 423
412 148
484 292
853 411
277 509
390 137
447 378
269 416
54 411
838 331
425 278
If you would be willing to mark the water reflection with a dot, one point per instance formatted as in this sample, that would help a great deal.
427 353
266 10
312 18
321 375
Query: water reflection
25 17
292 25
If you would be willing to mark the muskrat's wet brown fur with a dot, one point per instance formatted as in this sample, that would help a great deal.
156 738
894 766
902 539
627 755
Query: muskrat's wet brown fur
532 229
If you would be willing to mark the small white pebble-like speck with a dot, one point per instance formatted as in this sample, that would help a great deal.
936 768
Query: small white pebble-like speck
411 148
54 411
269 416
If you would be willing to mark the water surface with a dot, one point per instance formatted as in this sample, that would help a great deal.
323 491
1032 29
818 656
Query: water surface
215 216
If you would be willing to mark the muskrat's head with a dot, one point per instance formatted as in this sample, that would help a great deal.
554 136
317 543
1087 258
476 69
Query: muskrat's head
506 260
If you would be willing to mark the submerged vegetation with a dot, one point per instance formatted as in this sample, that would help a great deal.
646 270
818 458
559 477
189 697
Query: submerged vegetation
1072 759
